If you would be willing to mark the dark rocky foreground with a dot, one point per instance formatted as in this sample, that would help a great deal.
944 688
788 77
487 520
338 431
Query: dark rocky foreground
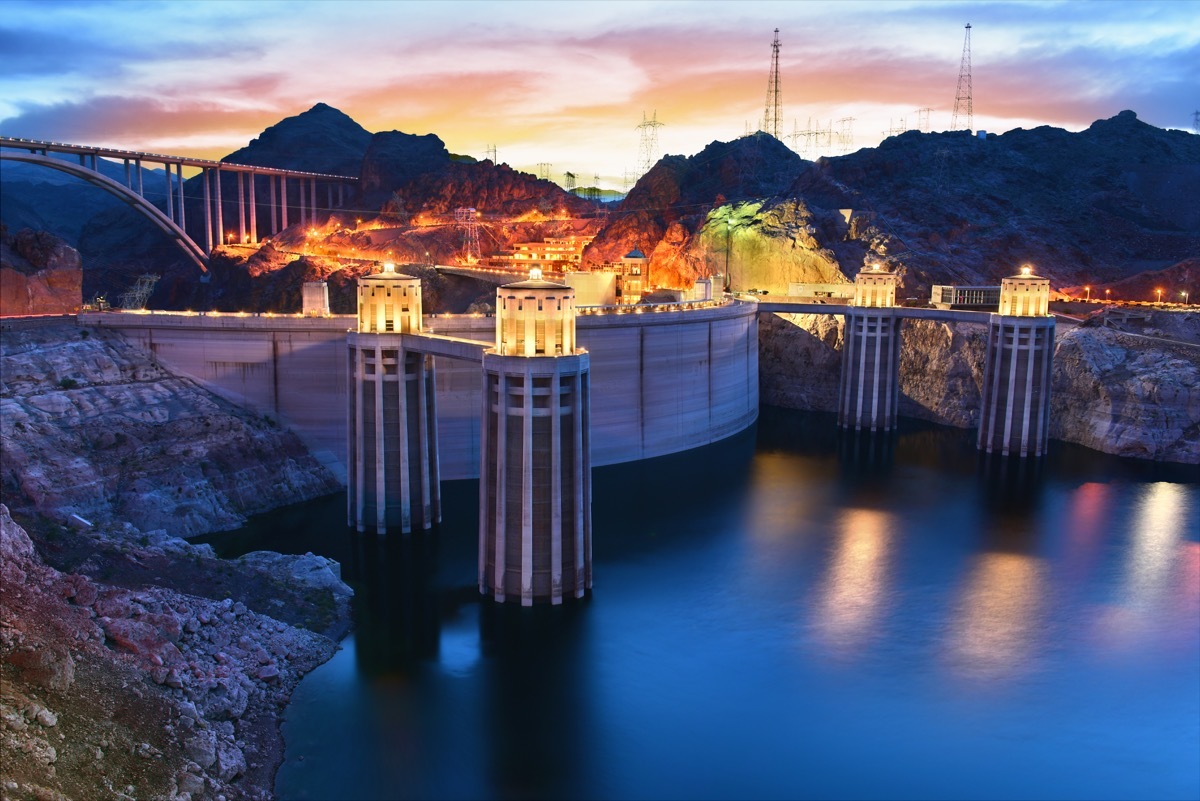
134 664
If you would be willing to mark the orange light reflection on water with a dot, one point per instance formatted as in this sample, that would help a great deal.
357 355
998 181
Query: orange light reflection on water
995 631
856 583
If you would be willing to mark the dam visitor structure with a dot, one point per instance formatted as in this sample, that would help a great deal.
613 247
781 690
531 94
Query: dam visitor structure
535 474
869 386
1014 411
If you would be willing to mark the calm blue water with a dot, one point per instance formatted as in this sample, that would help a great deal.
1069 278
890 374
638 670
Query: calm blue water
782 615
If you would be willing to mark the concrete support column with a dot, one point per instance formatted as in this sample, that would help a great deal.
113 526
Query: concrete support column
253 211
137 165
869 388
300 196
1015 405
128 175
182 213
312 200
170 194
273 209
220 205
329 195
241 186
341 195
535 479
283 202
205 177
391 437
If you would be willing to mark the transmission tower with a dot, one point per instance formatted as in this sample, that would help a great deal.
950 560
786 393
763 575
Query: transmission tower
845 134
896 130
923 119
469 220
964 104
491 154
771 115
569 181
649 129
544 170
1196 121
135 298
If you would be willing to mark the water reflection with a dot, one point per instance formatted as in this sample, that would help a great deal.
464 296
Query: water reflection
856 583
995 631
536 716
396 607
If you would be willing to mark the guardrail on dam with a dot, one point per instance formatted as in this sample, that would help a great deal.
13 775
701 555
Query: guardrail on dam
662 381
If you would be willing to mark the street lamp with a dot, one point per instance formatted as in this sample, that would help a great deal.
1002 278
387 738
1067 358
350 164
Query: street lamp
1088 289
1107 295
1159 291
1185 296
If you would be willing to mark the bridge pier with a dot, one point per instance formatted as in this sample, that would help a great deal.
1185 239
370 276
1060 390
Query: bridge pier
535 521
1015 407
869 387
253 210
392 460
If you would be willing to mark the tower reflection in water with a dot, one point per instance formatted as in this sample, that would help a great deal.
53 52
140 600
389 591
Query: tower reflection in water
396 607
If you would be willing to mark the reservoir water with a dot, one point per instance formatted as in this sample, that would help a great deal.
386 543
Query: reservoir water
790 613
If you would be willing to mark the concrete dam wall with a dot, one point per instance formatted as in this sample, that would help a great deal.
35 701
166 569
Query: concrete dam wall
662 382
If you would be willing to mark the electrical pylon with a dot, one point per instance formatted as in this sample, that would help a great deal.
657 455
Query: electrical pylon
469 220
964 104
649 129
771 115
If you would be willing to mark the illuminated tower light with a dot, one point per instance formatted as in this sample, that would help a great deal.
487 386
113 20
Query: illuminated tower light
535 537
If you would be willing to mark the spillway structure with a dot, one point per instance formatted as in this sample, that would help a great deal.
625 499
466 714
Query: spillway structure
392 450
869 387
535 493
1015 406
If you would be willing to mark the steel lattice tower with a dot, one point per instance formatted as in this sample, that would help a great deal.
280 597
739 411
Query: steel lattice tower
963 102
772 114
468 218
649 129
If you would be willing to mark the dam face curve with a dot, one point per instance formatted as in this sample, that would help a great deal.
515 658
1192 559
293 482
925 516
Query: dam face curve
661 381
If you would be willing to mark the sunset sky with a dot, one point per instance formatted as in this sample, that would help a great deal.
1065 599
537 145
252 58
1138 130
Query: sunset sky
568 82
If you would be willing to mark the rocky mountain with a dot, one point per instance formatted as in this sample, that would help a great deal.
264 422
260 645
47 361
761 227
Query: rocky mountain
39 274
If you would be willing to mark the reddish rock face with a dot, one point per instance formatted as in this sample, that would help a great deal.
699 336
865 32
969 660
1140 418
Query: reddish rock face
39 274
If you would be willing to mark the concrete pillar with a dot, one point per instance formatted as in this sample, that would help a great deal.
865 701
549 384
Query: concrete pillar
869 388
182 213
329 195
283 202
253 212
1015 404
341 195
169 208
220 217
273 209
241 185
303 219
392 413
206 177
535 539
312 199
137 165
128 175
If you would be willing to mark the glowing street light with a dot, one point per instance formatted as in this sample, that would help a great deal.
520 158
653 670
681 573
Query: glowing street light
1159 291
1185 296
1088 289
1107 294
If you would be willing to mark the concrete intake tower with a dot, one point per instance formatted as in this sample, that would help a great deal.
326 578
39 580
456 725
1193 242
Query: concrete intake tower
1014 411
392 452
535 487
869 389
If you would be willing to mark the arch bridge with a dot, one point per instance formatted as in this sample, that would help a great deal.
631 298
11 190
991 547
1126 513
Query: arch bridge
268 199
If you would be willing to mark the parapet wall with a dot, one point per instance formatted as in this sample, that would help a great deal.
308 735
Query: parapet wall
662 382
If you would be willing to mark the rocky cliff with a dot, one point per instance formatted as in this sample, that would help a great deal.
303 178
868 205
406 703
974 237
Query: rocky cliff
1127 393
39 274
93 426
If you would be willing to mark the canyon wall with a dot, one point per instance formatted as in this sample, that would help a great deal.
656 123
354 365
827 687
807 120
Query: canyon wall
1117 392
